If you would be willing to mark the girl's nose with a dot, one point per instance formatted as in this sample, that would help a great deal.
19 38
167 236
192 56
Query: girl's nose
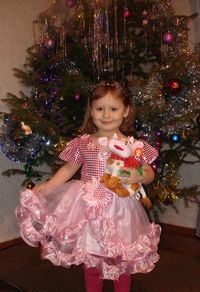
106 113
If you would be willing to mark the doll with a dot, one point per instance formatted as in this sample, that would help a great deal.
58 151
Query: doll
124 153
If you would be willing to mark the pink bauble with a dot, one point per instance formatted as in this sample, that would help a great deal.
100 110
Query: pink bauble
70 3
145 22
144 13
168 37
49 43
77 97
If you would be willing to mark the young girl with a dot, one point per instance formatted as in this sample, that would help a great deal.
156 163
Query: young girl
83 222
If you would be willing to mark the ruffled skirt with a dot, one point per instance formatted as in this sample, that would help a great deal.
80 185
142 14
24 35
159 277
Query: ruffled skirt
80 222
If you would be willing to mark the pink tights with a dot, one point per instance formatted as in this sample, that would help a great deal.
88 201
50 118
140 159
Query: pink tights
95 284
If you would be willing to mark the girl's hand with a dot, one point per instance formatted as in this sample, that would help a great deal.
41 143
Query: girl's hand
40 187
132 175
147 176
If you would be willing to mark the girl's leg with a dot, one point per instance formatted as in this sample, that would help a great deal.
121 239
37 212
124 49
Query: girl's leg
92 281
123 284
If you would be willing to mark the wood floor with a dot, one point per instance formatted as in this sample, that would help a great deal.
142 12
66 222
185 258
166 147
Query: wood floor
178 270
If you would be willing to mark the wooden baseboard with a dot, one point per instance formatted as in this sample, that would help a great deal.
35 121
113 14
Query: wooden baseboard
178 229
9 243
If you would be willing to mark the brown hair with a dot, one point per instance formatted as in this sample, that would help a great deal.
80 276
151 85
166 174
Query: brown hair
118 91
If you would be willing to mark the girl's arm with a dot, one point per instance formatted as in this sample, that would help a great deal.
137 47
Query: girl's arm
146 178
148 174
64 173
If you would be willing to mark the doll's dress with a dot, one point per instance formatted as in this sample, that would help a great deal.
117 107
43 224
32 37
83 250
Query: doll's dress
82 221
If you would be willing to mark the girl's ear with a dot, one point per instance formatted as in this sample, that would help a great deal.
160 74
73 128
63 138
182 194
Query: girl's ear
127 111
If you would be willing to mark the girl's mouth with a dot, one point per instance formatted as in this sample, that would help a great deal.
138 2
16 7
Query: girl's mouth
106 122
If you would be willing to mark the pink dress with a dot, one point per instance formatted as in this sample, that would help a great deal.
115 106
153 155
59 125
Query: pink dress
81 221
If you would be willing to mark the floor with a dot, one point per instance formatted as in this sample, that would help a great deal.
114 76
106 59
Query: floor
178 270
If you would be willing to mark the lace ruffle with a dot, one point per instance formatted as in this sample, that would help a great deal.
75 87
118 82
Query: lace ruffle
113 256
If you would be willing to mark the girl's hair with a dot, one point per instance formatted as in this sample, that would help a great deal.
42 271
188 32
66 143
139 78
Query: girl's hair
117 91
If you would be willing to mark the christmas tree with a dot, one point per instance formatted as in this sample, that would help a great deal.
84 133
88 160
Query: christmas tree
144 45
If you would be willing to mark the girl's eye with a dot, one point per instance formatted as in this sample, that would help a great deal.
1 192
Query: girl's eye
99 109
114 109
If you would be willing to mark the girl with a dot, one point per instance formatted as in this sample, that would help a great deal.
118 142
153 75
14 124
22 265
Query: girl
83 222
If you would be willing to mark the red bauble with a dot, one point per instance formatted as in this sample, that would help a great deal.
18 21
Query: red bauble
173 86
168 37
126 12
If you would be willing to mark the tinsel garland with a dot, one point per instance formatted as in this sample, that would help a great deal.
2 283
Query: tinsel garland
174 112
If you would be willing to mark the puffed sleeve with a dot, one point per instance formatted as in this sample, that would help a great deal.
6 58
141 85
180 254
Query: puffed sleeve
149 154
72 152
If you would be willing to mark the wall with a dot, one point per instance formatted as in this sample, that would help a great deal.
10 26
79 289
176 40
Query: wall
185 215
16 36
189 7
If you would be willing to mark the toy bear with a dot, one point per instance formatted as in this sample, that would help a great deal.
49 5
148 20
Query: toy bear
123 154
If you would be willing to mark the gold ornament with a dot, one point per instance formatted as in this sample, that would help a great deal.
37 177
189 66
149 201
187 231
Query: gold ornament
27 129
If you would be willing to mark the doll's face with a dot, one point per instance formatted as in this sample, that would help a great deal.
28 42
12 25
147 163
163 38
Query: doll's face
121 147
108 113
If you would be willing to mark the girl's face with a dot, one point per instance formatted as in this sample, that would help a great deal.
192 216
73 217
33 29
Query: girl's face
108 113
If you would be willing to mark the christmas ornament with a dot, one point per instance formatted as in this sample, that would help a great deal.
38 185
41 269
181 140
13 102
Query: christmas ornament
70 3
144 13
48 42
145 20
77 97
46 141
30 185
173 86
154 166
168 37
175 138
126 12
27 129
